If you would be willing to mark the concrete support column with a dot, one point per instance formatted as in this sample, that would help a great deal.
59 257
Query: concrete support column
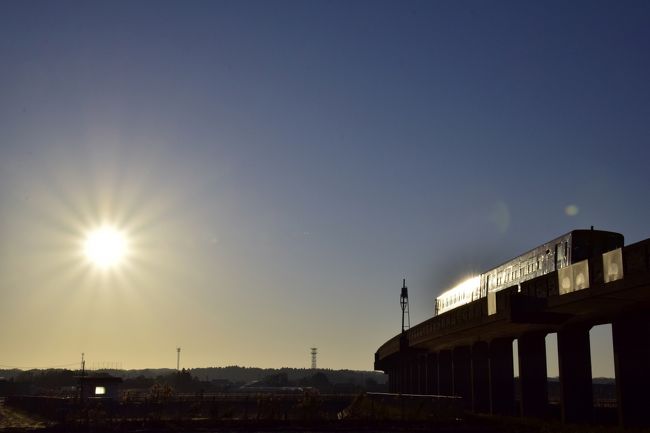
631 339
398 379
422 377
574 357
462 368
532 375
502 383
445 372
432 374
415 374
406 374
413 389
480 378
403 376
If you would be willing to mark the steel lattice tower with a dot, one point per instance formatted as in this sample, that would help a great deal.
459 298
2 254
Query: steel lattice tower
314 352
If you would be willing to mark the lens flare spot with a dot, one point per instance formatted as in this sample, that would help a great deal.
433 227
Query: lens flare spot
571 210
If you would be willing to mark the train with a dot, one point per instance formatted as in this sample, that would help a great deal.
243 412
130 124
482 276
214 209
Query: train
570 248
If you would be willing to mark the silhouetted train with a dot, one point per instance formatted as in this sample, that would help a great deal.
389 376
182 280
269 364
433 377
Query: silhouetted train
558 253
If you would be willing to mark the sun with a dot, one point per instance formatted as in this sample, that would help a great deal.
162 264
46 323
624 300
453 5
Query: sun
105 247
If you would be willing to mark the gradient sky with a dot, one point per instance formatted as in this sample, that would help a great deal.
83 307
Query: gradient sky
280 166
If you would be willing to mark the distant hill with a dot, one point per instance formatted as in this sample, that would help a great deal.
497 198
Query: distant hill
238 374
212 379
248 374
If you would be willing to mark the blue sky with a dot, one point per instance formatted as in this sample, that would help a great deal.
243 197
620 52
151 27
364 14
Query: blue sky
282 165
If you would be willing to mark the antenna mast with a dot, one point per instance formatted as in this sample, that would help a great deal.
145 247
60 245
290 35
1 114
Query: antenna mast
404 303
178 359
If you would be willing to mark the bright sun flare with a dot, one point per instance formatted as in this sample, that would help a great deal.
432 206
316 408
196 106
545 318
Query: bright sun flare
105 247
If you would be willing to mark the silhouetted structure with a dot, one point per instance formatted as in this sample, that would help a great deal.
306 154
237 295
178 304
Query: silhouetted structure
468 352
404 303
100 387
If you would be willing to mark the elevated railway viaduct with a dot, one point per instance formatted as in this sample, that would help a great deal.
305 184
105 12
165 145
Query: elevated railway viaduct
468 352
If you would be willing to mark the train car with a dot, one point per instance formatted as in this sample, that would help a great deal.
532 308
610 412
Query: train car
573 247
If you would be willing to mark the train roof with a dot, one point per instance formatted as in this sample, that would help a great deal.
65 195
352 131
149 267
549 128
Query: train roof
552 241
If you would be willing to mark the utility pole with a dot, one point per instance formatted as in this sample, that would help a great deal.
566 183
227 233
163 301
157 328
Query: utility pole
178 359
81 379
404 303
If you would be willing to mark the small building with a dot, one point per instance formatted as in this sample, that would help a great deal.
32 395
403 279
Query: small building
100 387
